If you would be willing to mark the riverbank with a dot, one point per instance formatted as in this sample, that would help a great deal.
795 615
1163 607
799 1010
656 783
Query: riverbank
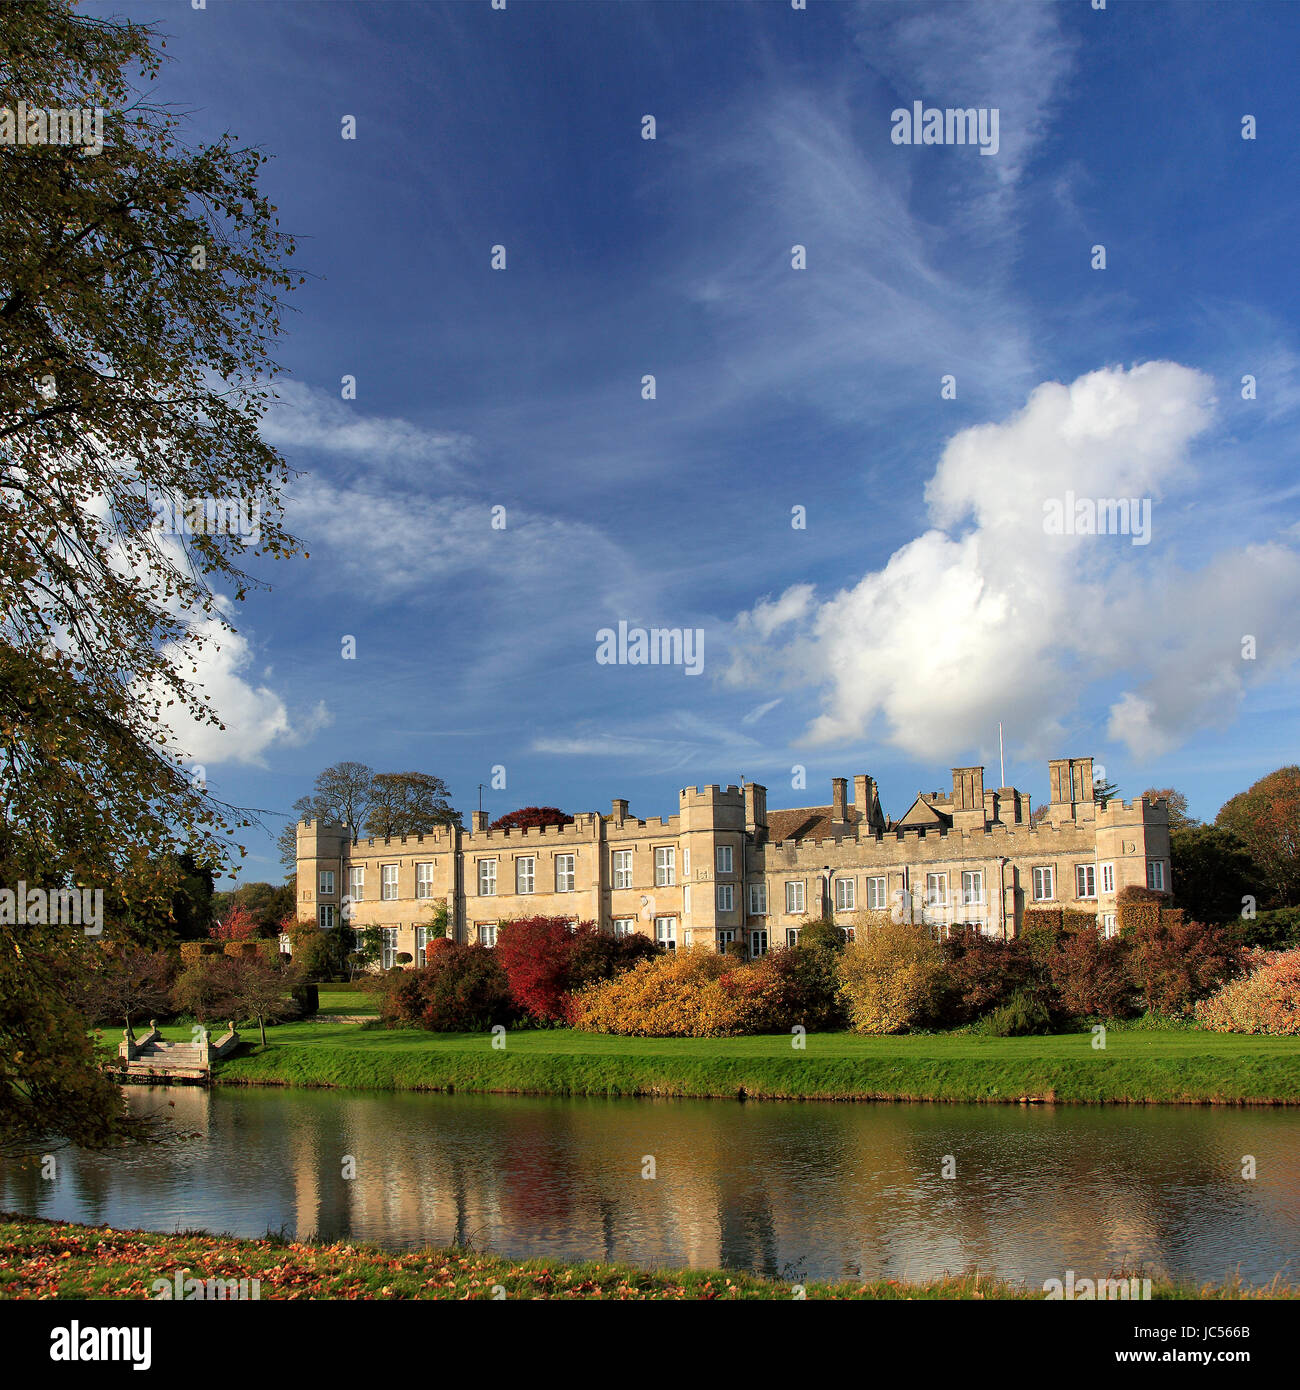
49 1259
1135 1067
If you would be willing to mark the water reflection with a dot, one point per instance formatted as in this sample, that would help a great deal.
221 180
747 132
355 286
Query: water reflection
790 1190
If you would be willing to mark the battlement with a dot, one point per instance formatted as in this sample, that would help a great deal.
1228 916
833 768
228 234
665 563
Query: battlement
578 831
322 827
712 795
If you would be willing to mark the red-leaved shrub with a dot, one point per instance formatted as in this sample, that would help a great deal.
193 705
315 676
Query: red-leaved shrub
1175 963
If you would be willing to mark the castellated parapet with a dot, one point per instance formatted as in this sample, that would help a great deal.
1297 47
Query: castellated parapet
725 868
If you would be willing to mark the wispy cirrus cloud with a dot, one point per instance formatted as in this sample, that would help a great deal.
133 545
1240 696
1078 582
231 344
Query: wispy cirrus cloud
307 419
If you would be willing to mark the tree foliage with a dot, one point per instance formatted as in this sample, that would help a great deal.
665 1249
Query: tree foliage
140 297
380 803
1266 819
1212 873
530 817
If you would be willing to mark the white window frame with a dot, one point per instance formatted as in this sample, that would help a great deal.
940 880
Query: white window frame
686 862
357 883
1109 923
526 874
1156 876
726 897
791 938
726 935
622 868
326 886
725 859
878 893
424 879
487 934
566 873
325 916
388 879
388 947
665 866
1044 878
686 899
624 926
757 942
666 932
421 942
1082 874
1106 874
972 887
846 895
487 878
796 901
758 899
849 935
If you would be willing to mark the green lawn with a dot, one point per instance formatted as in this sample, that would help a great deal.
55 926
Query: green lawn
346 999
1175 1066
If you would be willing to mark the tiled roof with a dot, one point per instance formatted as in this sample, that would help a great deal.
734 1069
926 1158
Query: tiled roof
804 823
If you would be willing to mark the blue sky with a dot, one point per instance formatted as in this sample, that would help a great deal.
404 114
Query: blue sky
923 601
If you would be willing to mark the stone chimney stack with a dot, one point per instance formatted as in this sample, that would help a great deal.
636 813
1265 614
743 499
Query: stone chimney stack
755 807
478 820
620 811
839 803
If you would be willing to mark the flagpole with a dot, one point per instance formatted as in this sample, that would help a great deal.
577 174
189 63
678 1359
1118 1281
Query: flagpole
1002 766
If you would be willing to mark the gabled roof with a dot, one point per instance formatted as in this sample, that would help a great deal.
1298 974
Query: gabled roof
924 813
805 823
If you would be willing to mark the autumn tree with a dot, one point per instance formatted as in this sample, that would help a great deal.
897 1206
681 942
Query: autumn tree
50 1079
380 803
532 816
1266 819
239 924
140 296
129 984
268 903
1176 802
408 803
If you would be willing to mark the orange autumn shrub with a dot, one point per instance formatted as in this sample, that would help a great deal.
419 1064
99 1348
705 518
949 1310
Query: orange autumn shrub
892 978
1265 1000
678 995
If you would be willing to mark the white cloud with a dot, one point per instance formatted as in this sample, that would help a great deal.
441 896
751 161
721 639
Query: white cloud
217 664
1001 620
307 417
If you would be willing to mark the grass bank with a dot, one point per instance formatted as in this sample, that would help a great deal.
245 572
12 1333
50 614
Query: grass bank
46 1259
1135 1067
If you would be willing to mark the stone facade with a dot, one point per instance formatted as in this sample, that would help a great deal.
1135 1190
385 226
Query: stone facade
726 869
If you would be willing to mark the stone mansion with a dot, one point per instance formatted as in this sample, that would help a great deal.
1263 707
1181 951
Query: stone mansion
726 869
